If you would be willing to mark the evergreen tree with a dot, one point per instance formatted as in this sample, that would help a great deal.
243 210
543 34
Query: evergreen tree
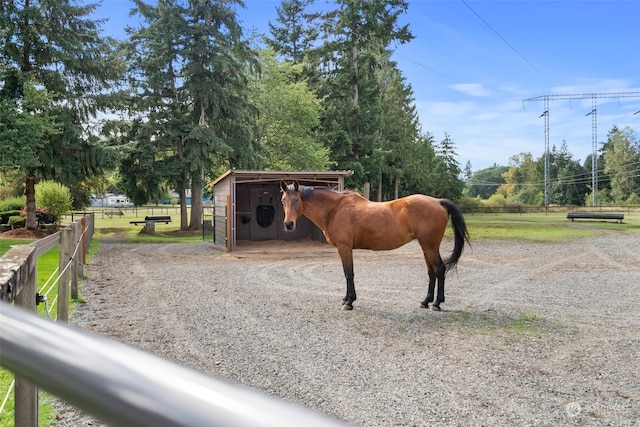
566 177
56 66
447 170
420 167
357 35
189 70
294 33
399 131
467 172
622 164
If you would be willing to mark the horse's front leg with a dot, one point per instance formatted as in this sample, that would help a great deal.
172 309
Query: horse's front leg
346 255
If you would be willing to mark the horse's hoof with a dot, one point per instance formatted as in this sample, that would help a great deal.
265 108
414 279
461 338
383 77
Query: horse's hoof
423 305
435 308
346 306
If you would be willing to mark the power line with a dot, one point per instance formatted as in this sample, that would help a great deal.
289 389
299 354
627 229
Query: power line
499 35
594 129
433 70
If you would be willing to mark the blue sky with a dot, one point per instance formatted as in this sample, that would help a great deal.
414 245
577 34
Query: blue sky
472 63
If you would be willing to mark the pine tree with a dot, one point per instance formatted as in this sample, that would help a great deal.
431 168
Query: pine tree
189 67
357 35
56 68
447 170
294 32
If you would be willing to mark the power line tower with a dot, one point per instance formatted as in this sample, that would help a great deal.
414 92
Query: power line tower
594 133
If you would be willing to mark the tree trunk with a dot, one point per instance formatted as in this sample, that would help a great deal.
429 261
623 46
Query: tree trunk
30 193
196 205
396 184
183 209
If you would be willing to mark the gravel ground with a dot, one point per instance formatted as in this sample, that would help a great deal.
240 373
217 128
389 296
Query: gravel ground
530 334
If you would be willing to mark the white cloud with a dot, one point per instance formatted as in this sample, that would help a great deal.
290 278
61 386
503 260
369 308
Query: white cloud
471 89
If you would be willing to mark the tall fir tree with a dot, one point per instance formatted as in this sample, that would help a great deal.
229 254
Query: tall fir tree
294 32
189 69
56 68
447 170
357 35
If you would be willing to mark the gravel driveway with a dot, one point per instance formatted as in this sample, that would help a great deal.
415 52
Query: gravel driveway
530 334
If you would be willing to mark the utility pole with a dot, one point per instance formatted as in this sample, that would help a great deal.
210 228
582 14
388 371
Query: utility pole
594 132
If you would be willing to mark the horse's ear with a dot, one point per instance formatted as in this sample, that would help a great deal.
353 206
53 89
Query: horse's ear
296 186
283 186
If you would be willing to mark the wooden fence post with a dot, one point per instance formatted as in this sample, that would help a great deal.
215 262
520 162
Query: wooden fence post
83 246
63 279
229 229
75 261
26 393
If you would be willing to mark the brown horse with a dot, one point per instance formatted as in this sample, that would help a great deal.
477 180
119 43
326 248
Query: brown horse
349 221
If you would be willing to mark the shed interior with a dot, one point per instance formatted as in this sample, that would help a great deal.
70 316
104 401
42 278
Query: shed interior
256 212
253 222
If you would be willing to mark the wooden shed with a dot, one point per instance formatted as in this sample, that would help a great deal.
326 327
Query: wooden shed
247 205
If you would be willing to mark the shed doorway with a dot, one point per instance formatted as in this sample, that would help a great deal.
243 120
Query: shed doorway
255 212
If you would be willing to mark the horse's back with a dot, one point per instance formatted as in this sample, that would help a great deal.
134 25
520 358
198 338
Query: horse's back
389 225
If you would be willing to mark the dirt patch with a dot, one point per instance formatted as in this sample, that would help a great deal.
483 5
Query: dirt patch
119 234
24 233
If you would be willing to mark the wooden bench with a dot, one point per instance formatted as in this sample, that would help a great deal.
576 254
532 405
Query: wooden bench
112 213
592 215
150 223
153 219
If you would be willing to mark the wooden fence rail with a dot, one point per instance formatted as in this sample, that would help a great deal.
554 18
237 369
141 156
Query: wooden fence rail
18 285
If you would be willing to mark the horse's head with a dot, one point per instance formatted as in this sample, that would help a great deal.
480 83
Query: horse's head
291 203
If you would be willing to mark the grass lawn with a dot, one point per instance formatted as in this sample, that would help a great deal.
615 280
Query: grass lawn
541 227
46 275
119 226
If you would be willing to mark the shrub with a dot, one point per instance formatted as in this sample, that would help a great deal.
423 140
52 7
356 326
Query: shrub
470 204
5 215
633 200
497 201
53 197
12 204
43 216
17 221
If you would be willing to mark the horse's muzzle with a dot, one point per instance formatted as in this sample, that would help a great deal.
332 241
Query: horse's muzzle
289 226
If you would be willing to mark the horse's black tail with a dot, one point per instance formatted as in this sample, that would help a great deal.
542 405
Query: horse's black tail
460 232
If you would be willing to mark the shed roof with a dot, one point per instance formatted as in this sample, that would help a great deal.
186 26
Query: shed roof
262 176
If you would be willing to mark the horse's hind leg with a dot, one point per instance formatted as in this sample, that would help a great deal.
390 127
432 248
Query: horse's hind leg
437 270
431 288
440 274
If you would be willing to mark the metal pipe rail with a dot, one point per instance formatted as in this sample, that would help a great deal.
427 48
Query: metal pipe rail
124 386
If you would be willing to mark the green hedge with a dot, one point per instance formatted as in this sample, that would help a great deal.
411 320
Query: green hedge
4 216
17 221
